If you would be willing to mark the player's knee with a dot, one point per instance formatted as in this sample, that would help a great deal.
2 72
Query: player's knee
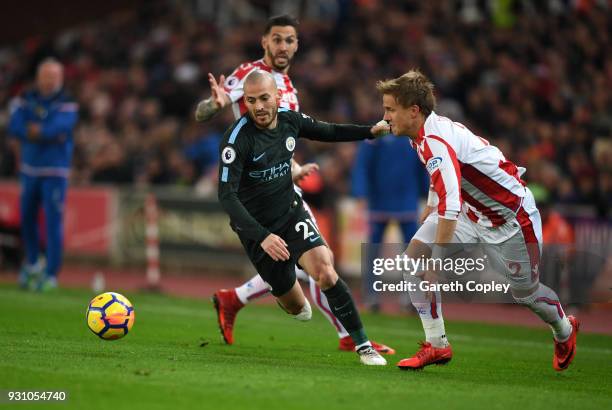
524 296
327 276
417 249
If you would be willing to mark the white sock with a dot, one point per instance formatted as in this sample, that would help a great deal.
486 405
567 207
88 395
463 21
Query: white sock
434 331
362 345
256 287
544 302
430 312
320 300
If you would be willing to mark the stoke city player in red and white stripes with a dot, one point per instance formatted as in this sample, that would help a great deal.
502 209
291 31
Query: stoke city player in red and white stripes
477 196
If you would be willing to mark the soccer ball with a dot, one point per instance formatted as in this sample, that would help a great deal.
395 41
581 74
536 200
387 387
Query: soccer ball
110 315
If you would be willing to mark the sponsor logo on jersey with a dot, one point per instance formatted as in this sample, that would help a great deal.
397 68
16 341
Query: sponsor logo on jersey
228 155
433 164
275 171
290 143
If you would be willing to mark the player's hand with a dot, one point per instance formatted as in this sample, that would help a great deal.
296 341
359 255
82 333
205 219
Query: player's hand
381 128
304 170
276 247
428 210
217 92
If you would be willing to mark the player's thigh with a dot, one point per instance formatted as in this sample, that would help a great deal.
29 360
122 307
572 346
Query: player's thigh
316 226
317 263
306 244
464 231
518 260
280 275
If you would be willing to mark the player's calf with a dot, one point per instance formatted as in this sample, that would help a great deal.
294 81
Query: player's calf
294 303
303 315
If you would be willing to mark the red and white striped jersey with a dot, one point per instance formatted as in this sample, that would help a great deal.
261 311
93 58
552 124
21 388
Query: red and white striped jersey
234 86
467 172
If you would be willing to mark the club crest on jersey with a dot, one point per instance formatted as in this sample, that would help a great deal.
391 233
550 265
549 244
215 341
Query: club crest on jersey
228 155
433 164
290 143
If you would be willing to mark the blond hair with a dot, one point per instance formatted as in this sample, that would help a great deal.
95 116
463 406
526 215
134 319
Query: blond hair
412 88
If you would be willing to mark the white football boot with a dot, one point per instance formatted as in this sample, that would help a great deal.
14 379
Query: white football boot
370 357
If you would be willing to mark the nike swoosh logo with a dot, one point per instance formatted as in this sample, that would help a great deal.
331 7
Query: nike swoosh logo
314 239
341 307
255 159
565 362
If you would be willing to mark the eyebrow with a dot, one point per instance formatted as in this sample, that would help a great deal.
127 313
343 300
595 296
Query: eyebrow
290 36
258 96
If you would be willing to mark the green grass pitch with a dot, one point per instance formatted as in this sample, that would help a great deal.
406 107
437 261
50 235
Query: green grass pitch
174 358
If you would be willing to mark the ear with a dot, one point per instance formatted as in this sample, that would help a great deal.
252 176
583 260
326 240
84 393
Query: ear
279 96
264 42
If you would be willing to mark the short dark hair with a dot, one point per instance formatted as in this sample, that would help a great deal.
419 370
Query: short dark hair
284 20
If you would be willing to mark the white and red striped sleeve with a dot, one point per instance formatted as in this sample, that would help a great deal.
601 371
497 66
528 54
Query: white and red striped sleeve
234 83
442 165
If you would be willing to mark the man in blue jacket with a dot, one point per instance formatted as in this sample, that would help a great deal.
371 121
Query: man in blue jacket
384 175
43 120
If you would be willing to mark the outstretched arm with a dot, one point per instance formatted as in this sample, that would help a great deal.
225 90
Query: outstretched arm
328 132
218 100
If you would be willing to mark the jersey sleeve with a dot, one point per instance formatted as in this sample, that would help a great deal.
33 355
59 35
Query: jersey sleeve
18 119
312 129
234 83
445 174
233 155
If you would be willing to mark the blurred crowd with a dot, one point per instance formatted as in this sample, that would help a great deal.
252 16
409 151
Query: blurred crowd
534 78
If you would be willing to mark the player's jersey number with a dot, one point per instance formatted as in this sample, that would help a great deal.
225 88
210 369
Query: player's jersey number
306 226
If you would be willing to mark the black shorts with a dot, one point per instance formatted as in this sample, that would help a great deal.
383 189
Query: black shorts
301 234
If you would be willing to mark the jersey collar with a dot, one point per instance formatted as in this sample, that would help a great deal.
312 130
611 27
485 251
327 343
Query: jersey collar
421 133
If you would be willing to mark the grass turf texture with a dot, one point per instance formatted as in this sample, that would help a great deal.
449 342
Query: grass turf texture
174 358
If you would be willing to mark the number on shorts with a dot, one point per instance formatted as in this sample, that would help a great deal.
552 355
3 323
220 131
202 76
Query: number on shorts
307 232
513 265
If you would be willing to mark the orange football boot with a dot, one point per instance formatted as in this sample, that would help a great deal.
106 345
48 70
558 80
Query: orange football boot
565 351
227 305
427 355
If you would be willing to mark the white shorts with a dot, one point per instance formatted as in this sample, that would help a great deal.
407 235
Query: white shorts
513 248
